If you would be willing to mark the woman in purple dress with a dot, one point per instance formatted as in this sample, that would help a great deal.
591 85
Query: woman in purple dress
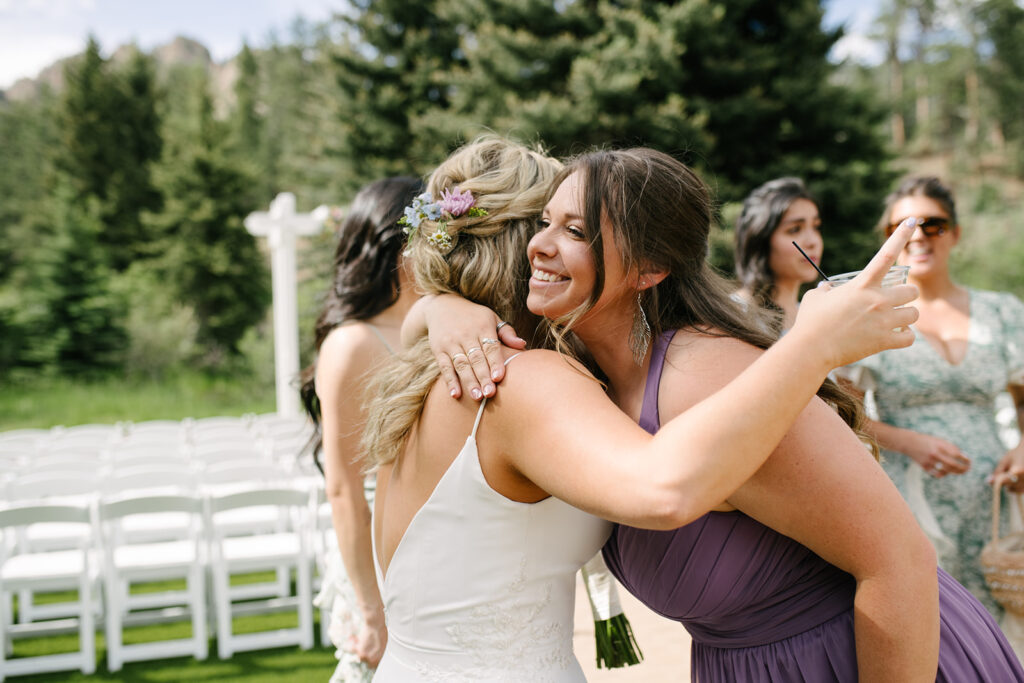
803 573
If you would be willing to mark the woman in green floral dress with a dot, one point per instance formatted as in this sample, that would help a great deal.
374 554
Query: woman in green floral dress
936 398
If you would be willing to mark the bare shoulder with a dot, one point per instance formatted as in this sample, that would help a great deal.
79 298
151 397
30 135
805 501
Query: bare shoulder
347 353
541 367
540 384
697 365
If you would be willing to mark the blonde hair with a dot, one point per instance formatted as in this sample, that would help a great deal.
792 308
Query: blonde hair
487 264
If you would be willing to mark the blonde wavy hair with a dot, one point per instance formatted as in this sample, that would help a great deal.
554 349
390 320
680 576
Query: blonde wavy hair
487 264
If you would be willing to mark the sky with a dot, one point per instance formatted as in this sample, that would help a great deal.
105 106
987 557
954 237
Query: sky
36 33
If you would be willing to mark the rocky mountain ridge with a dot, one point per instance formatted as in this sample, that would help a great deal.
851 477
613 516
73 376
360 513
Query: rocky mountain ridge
181 51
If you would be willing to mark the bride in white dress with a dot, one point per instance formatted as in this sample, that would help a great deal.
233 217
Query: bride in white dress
476 551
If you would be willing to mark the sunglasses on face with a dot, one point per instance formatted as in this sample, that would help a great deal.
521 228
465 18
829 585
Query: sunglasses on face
931 227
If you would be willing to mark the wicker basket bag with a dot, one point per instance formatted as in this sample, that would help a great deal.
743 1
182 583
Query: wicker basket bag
1002 559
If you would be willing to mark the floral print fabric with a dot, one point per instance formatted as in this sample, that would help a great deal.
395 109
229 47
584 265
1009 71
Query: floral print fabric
916 388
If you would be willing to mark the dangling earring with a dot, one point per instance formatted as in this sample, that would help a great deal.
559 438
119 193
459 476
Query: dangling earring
640 335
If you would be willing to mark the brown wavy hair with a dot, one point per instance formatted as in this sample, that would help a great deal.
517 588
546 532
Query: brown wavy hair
365 280
661 214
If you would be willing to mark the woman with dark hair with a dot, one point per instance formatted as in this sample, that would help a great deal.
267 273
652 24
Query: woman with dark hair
936 398
769 269
811 570
357 329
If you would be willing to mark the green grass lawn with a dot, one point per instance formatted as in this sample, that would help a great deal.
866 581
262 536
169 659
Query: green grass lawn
62 401
275 665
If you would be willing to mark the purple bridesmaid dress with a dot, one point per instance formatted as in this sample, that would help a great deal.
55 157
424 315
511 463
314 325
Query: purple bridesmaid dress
761 607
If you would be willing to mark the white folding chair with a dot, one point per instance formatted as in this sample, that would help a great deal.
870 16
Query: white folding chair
23 440
155 432
152 480
209 454
261 552
127 562
57 487
222 428
234 476
60 570
48 465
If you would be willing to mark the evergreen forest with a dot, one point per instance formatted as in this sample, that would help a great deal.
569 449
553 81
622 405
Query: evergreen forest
123 192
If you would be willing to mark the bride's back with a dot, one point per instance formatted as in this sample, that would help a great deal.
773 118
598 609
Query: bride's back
476 586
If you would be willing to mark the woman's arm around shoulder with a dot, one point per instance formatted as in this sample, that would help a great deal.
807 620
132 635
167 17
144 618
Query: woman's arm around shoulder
822 488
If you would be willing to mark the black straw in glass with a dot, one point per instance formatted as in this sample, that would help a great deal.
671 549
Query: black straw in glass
810 260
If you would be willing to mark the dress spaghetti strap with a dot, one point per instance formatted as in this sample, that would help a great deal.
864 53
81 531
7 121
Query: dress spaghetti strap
380 335
483 403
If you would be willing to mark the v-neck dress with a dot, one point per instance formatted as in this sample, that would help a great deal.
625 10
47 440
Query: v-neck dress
762 608
482 588
917 388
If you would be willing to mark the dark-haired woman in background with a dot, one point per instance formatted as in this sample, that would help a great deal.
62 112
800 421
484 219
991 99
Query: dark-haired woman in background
358 328
769 269
936 398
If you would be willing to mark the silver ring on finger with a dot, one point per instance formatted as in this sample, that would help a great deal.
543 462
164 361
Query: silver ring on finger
501 324
475 348
454 355
938 467
488 340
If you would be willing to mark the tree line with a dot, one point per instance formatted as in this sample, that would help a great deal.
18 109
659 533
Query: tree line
122 196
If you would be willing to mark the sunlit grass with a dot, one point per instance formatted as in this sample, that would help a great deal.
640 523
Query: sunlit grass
64 401
270 666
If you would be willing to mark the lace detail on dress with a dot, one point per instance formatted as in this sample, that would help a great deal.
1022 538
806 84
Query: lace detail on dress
508 639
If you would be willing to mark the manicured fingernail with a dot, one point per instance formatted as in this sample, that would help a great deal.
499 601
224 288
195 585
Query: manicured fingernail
495 374
454 393
488 390
476 394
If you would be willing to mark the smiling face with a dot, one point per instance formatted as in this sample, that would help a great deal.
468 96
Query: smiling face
564 272
801 224
927 256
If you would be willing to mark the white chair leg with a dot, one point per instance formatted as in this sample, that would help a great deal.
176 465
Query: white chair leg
25 606
87 627
113 624
325 623
284 581
197 596
304 593
7 618
222 606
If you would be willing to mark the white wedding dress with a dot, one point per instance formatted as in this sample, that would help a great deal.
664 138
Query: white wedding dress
482 588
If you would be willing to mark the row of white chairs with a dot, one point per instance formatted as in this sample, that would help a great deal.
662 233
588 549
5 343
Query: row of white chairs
98 547
97 437
280 442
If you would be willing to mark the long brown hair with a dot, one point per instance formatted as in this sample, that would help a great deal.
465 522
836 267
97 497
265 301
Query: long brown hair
762 212
365 280
661 214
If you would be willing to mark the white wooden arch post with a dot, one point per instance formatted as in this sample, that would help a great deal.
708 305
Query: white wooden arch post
281 225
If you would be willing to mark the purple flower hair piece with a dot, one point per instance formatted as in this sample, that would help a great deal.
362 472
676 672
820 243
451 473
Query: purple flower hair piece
456 203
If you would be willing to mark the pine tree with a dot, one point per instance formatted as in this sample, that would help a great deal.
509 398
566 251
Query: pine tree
207 255
741 89
1004 77
84 332
110 137
392 73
